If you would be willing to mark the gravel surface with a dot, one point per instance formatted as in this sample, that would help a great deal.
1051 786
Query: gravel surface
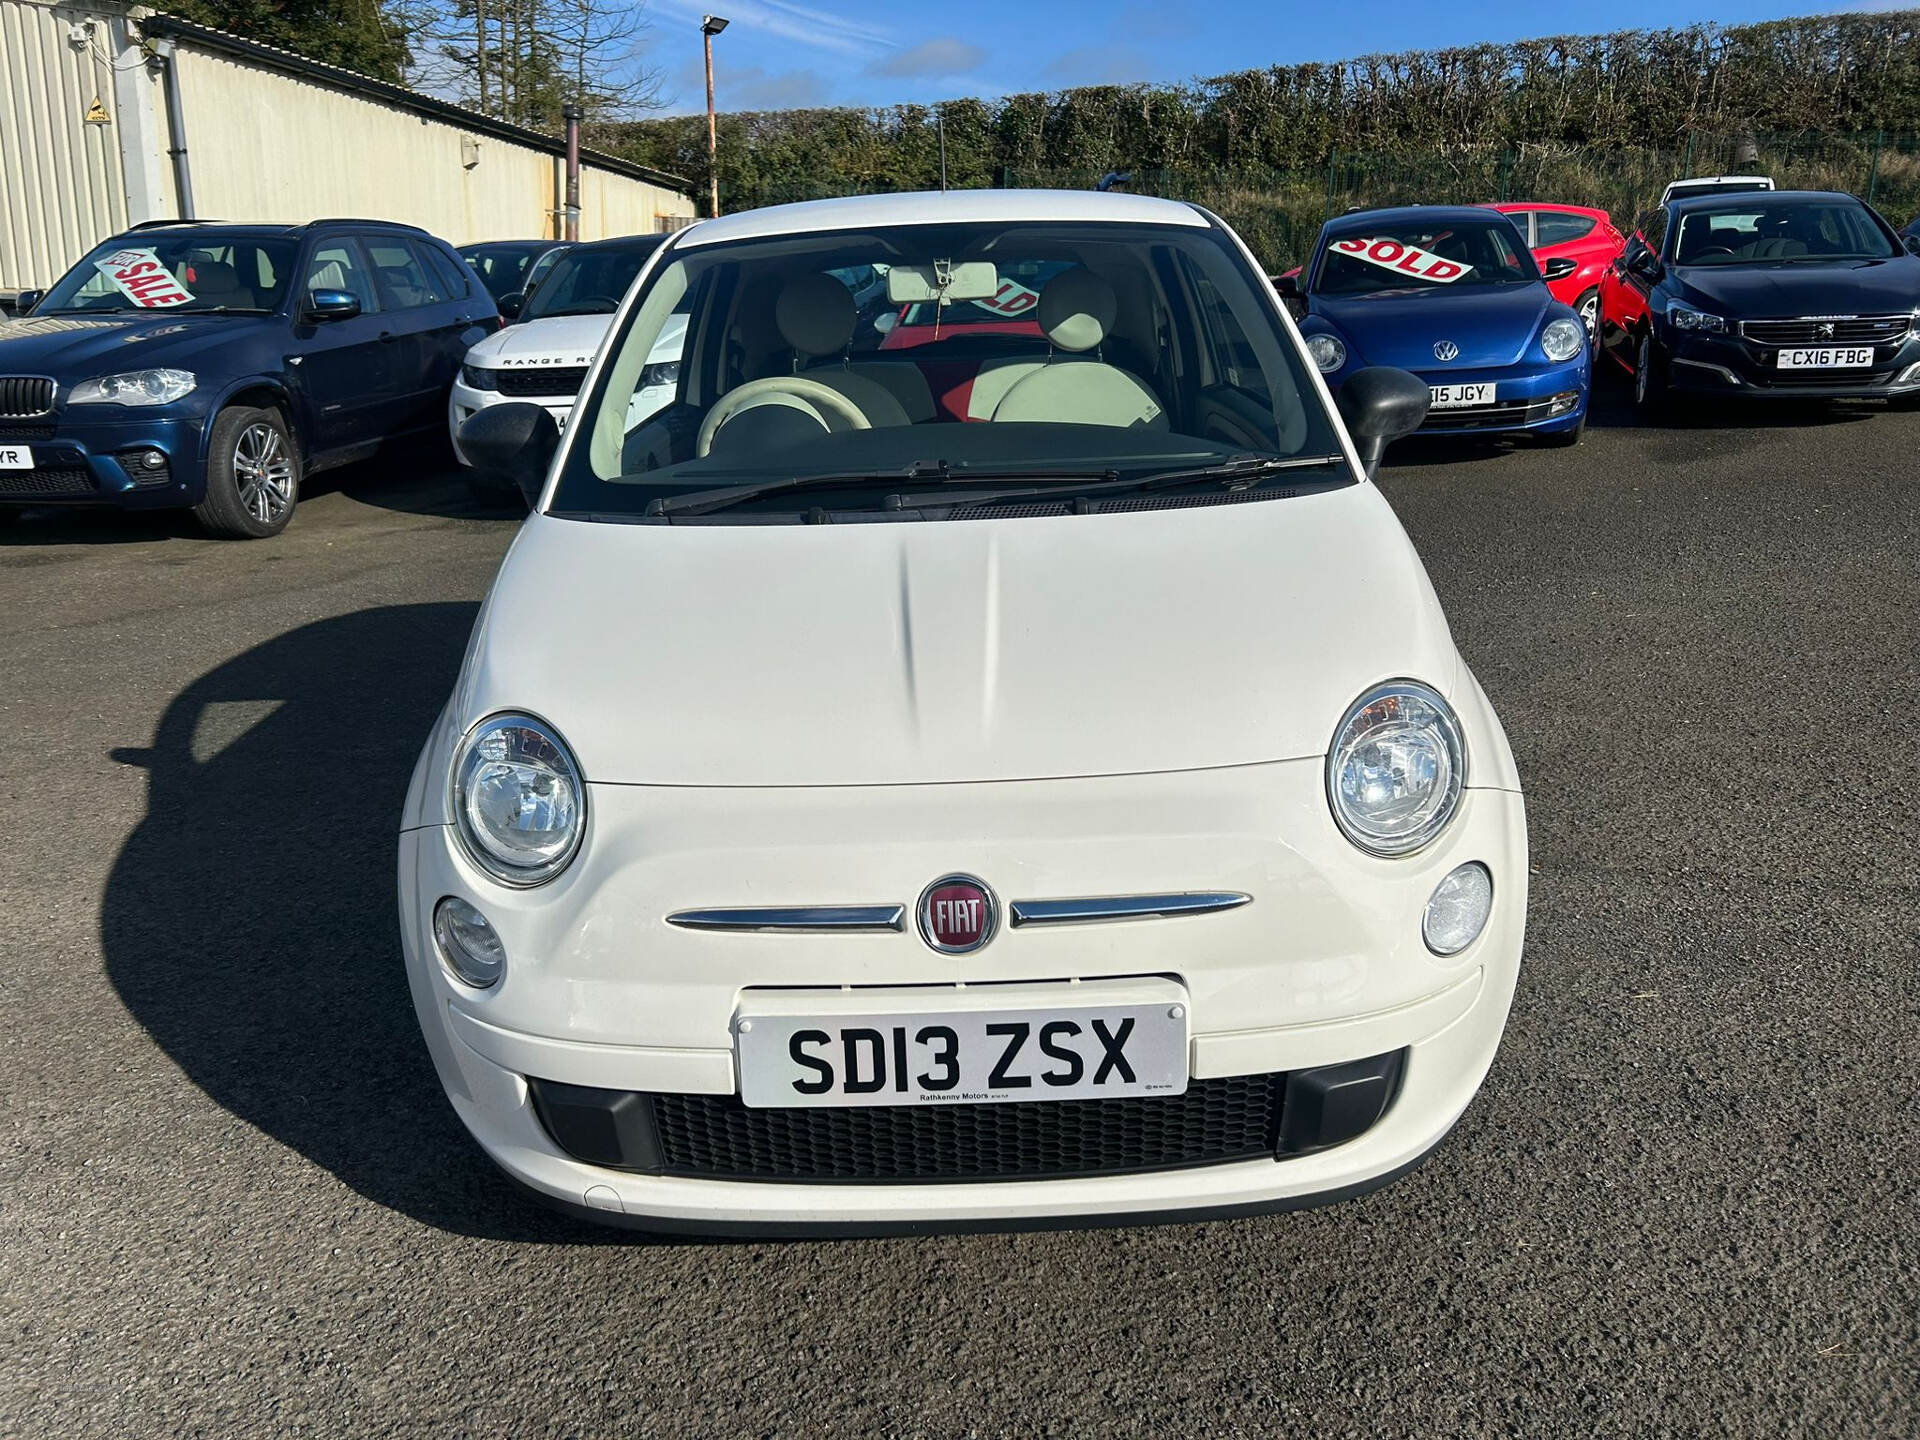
233 1200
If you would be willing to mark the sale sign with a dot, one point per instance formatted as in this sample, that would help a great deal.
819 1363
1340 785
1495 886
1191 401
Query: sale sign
143 279
1402 258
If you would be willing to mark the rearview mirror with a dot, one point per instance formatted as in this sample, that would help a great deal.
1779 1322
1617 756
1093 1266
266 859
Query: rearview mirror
1380 405
327 305
1560 267
514 439
24 302
512 305
947 283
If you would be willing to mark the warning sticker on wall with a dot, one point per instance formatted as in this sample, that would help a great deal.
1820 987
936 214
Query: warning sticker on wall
1402 258
143 279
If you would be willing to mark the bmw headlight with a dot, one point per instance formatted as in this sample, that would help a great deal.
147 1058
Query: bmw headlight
1396 768
477 377
135 387
518 802
1685 317
667 372
1327 352
1563 339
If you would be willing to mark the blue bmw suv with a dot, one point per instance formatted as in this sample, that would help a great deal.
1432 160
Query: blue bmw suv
216 366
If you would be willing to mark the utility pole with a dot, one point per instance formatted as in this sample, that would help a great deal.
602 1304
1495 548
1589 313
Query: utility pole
571 114
710 26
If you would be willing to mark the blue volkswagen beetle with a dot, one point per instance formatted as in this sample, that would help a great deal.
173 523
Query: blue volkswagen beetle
1454 295
217 366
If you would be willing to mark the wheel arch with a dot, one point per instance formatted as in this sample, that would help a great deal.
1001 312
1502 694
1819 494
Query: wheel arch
265 393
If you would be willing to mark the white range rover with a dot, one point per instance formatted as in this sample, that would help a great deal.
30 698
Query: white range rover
542 354
1019 776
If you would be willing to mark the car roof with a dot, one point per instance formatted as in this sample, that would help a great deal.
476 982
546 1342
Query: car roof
269 227
1359 220
1688 203
528 244
871 212
621 242
1511 207
1721 180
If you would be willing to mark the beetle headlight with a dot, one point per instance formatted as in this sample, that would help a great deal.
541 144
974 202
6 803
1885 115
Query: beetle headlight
1563 339
1396 768
518 803
1327 352
135 387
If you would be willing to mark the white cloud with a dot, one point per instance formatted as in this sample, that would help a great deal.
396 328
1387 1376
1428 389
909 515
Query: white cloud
944 55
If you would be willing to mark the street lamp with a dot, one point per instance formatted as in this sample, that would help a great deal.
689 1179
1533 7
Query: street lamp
710 26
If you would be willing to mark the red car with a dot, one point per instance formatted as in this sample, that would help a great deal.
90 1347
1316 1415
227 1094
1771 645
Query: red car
1569 232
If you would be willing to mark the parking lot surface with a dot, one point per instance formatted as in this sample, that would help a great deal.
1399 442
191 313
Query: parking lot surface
234 1201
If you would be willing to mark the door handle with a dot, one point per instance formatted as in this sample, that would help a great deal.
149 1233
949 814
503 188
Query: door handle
388 335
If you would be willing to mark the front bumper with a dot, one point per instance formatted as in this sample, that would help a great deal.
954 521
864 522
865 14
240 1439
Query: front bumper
1325 968
1525 400
1734 365
80 458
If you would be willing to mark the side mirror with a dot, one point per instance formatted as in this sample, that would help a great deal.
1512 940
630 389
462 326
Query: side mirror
514 439
327 305
885 321
1560 267
24 302
1288 286
512 305
1380 405
1913 248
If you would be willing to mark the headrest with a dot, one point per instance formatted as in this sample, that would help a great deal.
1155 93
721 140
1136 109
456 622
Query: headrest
815 314
1077 309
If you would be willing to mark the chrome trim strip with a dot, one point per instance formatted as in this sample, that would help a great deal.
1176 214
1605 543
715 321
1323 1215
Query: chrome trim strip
1103 909
796 919
1720 370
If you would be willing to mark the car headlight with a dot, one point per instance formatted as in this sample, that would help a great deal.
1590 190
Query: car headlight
135 387
1327 352
1563 339
477 378
518 802
665 373
1396 768
1685 317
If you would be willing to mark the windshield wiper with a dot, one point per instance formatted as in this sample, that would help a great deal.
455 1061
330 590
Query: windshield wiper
704 502
1239 473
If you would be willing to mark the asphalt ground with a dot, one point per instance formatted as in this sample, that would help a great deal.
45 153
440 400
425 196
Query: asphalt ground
234 1202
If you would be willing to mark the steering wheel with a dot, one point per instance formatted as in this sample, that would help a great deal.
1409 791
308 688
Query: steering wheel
611 302
797 386
1712 250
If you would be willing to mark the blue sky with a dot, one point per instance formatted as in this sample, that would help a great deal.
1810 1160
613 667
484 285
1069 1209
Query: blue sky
786 53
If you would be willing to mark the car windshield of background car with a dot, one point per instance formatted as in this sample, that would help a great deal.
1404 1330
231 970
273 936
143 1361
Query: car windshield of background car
1414 258
1751 234
177 271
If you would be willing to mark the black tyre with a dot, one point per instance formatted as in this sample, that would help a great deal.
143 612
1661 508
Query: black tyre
1589 307
253 475
1650 393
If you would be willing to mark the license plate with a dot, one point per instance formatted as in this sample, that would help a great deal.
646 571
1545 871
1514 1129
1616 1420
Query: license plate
1845 357
560 417
1066 1052
1459 397
16 457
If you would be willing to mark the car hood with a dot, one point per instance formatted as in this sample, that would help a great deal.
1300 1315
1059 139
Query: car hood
1492 325
1847 287
562 340
954 651
76 347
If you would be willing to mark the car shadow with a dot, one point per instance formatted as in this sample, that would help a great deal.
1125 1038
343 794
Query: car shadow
249 920
1611 408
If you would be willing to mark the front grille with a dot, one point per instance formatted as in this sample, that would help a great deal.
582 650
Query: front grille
716 1137
16 432
1507 412
25 396
542 380
1866 330
22 484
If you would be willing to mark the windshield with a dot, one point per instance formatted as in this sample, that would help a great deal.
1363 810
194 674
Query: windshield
177 270
1413 257
1749 231
1149 350
505 267
589 281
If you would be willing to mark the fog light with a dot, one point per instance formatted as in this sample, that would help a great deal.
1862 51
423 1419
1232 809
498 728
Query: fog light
1458 908
468 943
1564 403
153 460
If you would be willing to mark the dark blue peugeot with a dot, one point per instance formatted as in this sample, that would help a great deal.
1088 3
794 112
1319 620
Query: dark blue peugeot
216 366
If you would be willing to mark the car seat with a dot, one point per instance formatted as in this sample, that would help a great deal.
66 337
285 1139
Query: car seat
217 283
816 316
1076 313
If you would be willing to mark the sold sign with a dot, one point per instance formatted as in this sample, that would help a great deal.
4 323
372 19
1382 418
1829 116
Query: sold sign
143 279
1405 259
1012 298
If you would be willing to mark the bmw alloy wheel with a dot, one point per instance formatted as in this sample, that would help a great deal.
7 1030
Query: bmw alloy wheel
264 472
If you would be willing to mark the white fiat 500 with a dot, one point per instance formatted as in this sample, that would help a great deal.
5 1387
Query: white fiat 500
1021 776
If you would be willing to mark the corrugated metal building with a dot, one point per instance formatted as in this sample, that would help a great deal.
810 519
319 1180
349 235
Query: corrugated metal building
88 142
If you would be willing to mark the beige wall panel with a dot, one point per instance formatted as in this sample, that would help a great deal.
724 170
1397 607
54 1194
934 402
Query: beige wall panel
60 180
